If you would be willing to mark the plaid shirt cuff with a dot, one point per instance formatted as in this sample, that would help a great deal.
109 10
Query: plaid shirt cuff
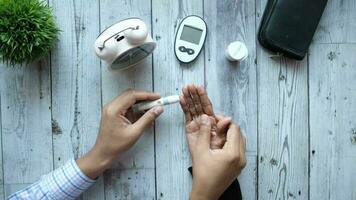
67 182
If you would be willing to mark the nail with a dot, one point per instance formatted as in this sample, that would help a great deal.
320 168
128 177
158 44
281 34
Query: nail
157 110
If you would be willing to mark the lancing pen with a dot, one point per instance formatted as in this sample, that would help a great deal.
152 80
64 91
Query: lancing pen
139 107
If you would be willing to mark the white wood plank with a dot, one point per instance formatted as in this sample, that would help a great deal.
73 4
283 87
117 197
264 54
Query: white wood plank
332 83
248 178
338 23
26 125
76 84
172 154
27 166
282 125
133 176
232 86
283 129
12 188
2 189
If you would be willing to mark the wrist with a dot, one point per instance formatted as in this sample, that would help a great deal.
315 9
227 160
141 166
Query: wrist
93 163
197 194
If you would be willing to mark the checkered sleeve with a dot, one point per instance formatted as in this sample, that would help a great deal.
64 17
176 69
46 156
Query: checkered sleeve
67 182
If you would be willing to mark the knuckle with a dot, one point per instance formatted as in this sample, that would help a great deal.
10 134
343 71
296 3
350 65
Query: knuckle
129 91
243 163
108 110
236 157
232 158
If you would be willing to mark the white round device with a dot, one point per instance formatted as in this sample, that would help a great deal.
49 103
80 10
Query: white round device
124 43
236 51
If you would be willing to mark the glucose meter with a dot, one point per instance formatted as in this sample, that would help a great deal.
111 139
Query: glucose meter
190 38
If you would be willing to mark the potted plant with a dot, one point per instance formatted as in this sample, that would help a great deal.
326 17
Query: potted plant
28 30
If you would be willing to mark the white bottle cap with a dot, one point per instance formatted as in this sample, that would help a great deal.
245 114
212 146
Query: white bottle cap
236 51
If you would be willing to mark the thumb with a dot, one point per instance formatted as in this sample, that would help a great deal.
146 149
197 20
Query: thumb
233 138
147 119
204 132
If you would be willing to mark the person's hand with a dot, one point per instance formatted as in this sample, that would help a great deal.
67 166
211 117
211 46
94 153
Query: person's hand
195 102
117 133
214 169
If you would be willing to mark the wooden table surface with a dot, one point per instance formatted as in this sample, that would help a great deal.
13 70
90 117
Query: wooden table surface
299 117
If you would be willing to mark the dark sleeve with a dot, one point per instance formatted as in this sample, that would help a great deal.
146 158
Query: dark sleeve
233 192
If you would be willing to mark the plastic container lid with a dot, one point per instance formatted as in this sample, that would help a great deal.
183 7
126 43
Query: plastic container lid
236 51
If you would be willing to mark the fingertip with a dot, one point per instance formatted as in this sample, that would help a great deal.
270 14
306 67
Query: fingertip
182 100
190 87
158 110
157 94
228 119
185 91
201 90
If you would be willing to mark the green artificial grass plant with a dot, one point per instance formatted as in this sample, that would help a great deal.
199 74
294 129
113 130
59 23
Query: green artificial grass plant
27 30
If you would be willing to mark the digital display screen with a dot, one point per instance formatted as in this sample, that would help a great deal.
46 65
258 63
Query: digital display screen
191 34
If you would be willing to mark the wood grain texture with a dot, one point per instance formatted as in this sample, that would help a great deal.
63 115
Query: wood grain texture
172 155
282 125
26 125
59 100
133 176
232 86
28 150
332 81
283 129
338 23
248 178
76 84
2 192
12 188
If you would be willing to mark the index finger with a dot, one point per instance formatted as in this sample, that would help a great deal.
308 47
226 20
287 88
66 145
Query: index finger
128 98
205 101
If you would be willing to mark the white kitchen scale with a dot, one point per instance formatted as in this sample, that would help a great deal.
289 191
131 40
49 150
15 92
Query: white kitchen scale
190 38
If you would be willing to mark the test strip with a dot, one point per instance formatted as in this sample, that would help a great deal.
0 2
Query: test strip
139 107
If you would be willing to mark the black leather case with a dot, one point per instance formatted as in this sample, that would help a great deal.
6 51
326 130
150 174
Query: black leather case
288 26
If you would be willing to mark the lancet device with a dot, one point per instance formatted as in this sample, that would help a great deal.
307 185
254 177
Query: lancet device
190 38
139 107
